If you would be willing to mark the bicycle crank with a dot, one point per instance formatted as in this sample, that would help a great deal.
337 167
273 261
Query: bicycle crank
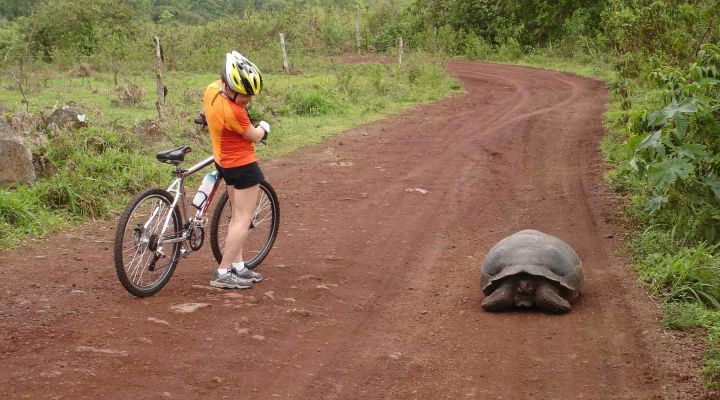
197 238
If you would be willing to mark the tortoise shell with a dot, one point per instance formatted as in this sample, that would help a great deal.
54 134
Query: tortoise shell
534 253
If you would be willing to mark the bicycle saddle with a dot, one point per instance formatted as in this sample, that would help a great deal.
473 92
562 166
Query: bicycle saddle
169 156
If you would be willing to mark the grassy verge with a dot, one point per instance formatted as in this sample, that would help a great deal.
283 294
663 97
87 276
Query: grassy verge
98 168
595 68
679 270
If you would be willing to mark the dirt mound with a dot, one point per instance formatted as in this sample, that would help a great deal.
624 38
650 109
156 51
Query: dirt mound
150 130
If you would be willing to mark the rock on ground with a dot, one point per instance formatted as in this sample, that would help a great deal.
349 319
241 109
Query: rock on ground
16 162
65 118
188 307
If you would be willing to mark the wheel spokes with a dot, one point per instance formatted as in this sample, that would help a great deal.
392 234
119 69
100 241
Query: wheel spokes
148 219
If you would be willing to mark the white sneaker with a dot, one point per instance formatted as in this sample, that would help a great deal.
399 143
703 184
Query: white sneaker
247 274
229 281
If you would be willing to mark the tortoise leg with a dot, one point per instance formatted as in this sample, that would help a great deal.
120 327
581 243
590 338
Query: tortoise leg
547 297
501 298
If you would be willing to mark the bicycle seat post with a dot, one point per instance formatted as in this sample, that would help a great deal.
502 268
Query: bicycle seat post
178 171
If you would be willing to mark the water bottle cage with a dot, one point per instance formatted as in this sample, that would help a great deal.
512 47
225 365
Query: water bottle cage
204 190
201 203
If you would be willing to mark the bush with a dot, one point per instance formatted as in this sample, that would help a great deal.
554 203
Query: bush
129 94
307 104
439 41
671 30
510 50
578 36
667 118
476 48
675 144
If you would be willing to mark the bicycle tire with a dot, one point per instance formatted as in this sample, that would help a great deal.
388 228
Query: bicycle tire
131 271
263 229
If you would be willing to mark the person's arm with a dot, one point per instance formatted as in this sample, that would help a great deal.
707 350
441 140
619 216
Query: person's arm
241 124
254 133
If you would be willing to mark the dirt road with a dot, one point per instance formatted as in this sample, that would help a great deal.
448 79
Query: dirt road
372 289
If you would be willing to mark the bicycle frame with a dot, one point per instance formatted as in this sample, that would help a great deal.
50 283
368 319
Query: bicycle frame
177 188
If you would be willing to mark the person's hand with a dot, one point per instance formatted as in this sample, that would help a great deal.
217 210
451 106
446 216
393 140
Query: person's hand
266 127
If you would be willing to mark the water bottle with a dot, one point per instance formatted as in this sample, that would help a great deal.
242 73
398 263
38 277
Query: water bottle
205 188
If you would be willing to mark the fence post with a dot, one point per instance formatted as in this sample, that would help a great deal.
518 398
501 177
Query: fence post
286 66
400 50
357 27
161 89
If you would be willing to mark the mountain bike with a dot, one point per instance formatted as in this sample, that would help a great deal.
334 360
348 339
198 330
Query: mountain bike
156 229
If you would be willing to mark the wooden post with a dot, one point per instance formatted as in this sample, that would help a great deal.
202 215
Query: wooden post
400 50
161 89
22 92
357 27
286 66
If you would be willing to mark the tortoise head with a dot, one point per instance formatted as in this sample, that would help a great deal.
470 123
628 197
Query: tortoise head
524 290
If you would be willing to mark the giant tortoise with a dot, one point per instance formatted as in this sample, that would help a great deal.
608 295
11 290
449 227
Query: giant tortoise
530 268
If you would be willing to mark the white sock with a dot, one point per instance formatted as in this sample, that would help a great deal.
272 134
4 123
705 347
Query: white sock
223 271
239 265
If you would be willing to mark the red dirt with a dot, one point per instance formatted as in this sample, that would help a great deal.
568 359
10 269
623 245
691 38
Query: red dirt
372 291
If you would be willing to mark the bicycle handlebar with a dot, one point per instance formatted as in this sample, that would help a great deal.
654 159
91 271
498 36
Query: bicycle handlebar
200 119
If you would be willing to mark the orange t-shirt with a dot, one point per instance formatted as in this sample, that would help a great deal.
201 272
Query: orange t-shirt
227 122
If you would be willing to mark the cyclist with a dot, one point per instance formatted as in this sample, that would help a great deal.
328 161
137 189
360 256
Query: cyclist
233 137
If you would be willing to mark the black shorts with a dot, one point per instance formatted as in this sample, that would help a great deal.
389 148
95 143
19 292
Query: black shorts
241 177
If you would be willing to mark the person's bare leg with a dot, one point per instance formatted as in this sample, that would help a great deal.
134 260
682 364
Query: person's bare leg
243 203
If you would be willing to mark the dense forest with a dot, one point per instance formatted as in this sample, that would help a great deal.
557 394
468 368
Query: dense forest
662 59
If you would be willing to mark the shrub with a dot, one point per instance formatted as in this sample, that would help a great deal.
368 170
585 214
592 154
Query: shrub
442 40
129 94
675 147
307 104
475 47
510 50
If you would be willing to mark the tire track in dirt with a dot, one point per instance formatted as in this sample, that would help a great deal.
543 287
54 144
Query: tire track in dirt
372 289
426 367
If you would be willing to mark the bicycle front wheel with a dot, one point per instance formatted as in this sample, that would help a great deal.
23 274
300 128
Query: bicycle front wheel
143 261
262 231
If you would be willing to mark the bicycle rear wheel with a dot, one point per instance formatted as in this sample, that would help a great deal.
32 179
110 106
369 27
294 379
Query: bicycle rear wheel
142 263
263 227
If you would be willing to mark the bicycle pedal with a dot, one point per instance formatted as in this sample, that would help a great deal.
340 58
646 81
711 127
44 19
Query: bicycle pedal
184 252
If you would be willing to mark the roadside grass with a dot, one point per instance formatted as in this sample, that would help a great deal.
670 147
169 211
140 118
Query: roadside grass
681 274
100 167
590 67
685 279
691 316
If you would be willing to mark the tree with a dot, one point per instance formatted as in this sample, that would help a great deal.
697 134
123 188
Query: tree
11 9
78 27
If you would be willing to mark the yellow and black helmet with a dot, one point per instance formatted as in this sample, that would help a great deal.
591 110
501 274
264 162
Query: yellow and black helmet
241 75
